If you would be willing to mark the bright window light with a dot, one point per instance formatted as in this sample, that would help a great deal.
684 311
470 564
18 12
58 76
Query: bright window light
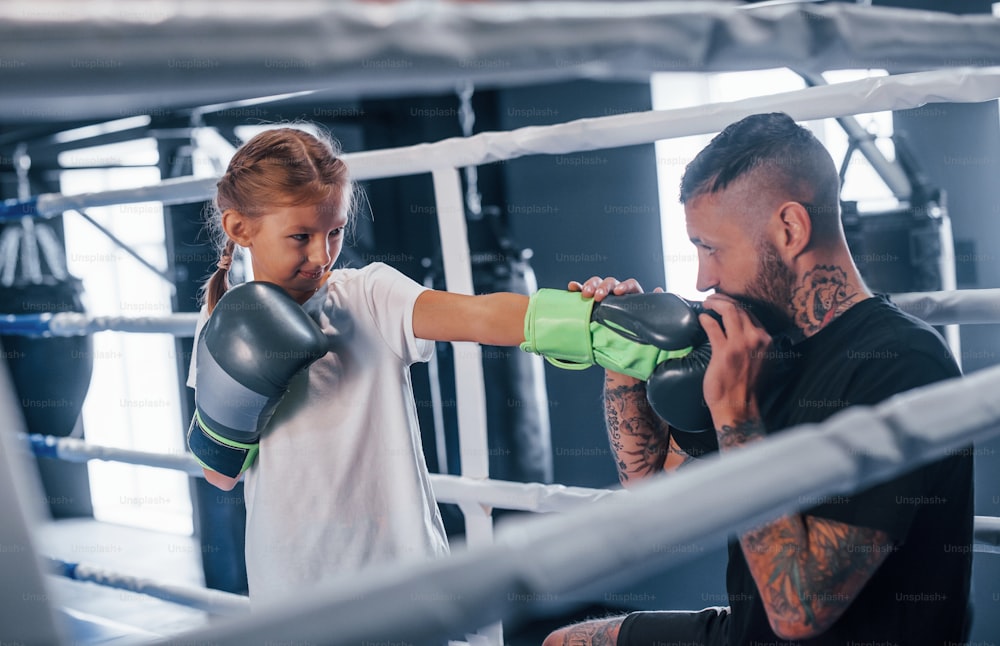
211 153
86 132
134 400
137 152
862 183
245 133
679 90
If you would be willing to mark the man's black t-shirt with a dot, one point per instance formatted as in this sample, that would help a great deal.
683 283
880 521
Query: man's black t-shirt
919 594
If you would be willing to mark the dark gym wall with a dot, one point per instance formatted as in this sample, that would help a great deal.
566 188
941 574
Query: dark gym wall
584 214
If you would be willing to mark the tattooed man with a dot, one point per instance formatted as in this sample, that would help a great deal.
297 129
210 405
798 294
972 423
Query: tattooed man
801 337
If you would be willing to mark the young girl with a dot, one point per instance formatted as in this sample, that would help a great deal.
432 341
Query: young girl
340 481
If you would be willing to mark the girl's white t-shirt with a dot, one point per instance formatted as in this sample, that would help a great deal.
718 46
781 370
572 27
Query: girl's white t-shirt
340 482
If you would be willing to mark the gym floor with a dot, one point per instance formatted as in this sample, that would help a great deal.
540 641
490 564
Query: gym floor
167 558
164 558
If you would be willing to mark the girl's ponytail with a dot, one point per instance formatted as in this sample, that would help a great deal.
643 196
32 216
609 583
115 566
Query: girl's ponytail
219 282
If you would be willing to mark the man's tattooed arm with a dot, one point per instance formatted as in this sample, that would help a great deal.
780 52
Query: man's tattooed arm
808 570
640 440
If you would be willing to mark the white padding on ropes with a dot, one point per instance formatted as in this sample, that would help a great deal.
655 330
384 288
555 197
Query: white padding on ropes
501 494
494 494
72 449
181 324
182 190
963 306
212 601
835 100
522 496
633 536
83 58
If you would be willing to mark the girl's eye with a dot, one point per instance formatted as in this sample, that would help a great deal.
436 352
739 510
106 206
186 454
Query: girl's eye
336 232
299 237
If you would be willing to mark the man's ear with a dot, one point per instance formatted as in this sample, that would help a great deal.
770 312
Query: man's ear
795 229
237 227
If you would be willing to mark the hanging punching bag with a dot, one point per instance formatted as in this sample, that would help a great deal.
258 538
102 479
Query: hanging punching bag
51 375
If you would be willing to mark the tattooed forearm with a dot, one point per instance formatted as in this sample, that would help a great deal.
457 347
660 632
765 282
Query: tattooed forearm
599 632
809 569
640 441
748 430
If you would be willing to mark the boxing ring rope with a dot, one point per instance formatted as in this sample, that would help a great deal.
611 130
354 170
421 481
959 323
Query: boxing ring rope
532 558
952 307
961 306
900 92
181 324
215 602
460 490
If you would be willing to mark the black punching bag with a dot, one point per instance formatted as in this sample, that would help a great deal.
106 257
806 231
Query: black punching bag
51 374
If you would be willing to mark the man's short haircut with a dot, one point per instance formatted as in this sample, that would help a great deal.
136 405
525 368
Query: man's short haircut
782 155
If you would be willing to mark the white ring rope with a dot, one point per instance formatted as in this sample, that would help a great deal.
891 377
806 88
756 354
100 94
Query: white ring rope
963 306
545 557
215 602
502 494
180 324
898 92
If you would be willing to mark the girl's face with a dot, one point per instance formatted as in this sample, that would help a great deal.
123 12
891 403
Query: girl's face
293 246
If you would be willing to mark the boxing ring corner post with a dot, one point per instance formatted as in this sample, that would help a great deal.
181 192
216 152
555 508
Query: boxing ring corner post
470 390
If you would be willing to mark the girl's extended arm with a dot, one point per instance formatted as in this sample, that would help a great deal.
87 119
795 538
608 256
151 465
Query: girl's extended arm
490 319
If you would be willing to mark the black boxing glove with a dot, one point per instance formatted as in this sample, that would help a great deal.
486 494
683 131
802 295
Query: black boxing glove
674 390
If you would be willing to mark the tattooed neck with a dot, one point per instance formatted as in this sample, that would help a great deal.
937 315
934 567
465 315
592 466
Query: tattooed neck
823 294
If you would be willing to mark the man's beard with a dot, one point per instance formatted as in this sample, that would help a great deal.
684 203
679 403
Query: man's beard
769 294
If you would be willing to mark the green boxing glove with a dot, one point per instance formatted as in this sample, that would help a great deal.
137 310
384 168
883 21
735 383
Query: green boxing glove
630 334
